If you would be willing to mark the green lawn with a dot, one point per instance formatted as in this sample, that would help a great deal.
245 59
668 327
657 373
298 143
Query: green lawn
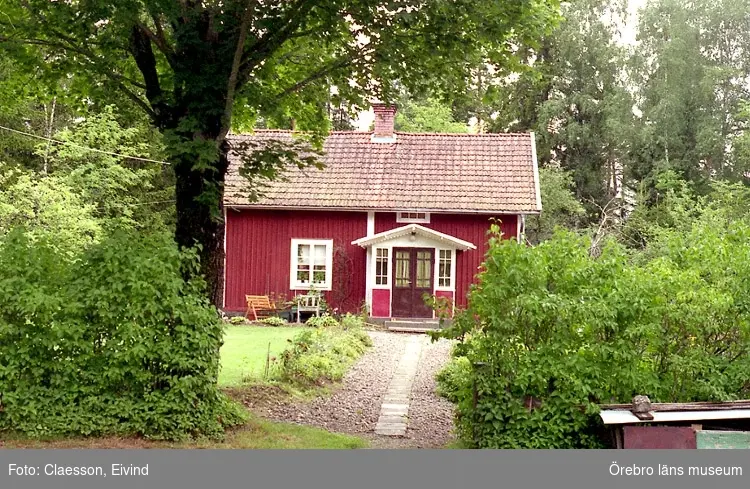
243 355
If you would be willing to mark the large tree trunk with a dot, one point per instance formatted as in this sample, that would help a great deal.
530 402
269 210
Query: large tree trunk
200 217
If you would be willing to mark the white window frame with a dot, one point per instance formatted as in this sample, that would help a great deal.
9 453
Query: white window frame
438 258
412 220
452 286
387 257
293 284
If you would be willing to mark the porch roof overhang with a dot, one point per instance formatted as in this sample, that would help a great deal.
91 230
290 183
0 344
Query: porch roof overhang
417 230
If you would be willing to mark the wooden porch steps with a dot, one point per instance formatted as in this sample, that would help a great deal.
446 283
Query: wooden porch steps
412 325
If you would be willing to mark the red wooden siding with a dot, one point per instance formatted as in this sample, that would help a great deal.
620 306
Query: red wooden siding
469 227
258 248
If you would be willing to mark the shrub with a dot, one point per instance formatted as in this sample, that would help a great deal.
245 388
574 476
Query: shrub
554 332
237 320
325 320
454 380
115 342
350 321
316 357
273 321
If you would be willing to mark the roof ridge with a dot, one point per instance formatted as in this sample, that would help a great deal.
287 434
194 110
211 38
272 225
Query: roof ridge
488 134
401 133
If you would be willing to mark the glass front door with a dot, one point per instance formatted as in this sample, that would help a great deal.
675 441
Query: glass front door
412 279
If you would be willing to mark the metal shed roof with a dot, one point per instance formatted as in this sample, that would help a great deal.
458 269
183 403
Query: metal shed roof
619 417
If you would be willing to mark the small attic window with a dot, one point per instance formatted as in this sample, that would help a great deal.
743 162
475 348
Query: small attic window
412 217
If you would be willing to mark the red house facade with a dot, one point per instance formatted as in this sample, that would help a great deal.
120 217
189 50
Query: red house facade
391 217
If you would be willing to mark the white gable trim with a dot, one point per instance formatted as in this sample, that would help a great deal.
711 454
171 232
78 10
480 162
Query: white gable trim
537 188
416 230
370 223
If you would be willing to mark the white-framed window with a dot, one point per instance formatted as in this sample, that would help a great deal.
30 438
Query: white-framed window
445 263
381 266
311 264
413 217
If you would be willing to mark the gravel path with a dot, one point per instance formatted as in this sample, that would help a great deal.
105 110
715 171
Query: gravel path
354 408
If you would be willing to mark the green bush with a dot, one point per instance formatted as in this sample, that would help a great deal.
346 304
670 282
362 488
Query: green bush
273 321
319 356
237 320
325 320
350 321
454 380
554 332
114 342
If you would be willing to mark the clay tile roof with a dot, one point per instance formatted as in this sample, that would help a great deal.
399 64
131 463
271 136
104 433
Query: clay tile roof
480 173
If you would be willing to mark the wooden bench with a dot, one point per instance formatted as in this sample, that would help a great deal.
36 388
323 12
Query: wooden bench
259 307
307 303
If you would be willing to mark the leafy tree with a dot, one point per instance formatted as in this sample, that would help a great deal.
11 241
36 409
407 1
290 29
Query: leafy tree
428 115
572 91
189 65
49 210
692 62
561 209
27 105
124 192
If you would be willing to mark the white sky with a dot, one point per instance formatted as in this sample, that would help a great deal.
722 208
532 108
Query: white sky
629 29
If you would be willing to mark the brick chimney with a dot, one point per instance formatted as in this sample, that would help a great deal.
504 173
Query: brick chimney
384 116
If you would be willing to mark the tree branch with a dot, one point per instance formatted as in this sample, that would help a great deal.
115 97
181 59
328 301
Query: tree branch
138 100
340 63
114 76
140 48
158 39
232 83
275 38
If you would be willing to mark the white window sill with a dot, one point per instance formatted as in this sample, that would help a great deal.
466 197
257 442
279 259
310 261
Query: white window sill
313 287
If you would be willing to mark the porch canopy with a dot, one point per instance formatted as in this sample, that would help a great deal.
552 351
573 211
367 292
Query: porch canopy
414 230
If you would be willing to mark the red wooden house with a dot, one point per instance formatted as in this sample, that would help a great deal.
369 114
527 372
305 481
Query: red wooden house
391 217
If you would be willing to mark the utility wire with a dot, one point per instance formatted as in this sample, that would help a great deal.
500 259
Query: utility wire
155 202
83 147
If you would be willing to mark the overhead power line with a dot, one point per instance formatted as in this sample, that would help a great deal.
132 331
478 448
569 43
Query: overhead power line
154 202
56 141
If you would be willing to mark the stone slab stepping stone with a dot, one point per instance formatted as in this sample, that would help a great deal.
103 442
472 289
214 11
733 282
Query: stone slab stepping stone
394 411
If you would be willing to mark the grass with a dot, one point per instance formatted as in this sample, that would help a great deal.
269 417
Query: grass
257 433
456 444
243 356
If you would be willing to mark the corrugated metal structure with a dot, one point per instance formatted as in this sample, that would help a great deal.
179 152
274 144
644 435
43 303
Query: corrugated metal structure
678 425
722 440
